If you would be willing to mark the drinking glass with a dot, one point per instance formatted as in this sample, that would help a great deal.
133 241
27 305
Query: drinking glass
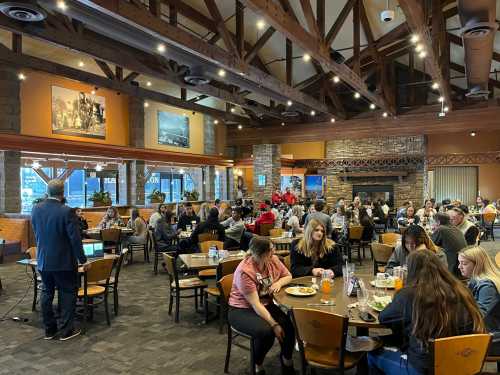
363 296
188 228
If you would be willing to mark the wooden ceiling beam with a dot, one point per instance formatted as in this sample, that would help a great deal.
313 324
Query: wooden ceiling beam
289 62
312 24
416 20
339 22
320 17
285 24
185 43
221 27
105 69
356 37
240 28
259 44
131 76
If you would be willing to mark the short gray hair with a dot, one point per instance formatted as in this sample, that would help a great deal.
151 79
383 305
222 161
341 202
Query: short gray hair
55 188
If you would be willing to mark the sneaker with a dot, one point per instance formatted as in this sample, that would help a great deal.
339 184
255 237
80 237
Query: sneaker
70 335
50 335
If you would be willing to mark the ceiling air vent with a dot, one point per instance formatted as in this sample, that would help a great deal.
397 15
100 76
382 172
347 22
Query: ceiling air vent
196 76
289 113
24 11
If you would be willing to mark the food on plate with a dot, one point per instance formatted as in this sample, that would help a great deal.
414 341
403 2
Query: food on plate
306 290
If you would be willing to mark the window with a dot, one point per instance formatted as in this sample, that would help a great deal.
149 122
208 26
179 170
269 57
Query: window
218 186
32 187
168 183
101 181
74 188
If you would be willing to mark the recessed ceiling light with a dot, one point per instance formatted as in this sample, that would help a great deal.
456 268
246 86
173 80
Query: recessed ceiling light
216 122
98 167
446 109
81 64
62 5
182 171
415 38
93 92
419 47
372 106
435 86
21 76
422 54
357 95
240 127
385 114
282 124
221 73
289 103
146 104
232 110
332 120
148 83
306 57
441 99
313 112
472 133
36 165
161 48
261 24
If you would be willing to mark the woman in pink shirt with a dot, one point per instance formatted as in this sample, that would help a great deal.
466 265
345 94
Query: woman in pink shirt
252 310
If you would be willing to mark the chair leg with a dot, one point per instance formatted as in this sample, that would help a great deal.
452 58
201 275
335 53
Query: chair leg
115 300
252 357
228 351
177 303
222 315
35 293
131 248
106 308
156 264
171 302
84 320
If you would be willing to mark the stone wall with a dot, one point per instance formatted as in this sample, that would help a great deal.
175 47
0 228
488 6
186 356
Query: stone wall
209 136
267 162
410 187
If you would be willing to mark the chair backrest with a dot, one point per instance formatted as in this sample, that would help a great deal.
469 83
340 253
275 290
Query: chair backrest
389 238
355 232
31 253
381 252
287 262
119 263
227 267
459 355
208 236
205 246
489 217
276 232
99 270
111 235
321 329
225 284
265 228
497 259
171 269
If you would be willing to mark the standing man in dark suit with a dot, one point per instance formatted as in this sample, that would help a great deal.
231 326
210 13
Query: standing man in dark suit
59 249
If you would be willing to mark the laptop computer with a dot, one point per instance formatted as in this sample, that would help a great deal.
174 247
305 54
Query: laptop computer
93 249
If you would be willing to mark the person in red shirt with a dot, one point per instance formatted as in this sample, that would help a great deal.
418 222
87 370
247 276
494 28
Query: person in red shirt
289 197
276 197
266 217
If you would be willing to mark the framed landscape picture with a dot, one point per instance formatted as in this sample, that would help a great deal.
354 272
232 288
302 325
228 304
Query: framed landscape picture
173 129
78 113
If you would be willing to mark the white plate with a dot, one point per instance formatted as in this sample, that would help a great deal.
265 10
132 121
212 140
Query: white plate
386 300
296 291
378 285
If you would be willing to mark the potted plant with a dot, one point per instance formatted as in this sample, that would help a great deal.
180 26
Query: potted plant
191 195
156 196
101 198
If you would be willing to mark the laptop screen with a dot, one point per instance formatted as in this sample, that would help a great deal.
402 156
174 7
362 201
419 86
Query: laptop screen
93 250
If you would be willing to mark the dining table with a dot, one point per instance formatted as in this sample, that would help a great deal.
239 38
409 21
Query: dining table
201 261
342 303
33 262
95 233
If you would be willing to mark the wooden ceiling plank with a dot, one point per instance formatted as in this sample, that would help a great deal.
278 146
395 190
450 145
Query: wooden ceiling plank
416 20
240 28
259 44
356 36
289 62
292 30
339 22
320 17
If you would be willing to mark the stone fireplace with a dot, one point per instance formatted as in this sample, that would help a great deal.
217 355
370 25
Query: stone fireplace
392 167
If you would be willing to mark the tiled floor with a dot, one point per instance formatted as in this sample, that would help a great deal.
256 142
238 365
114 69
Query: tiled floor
143 339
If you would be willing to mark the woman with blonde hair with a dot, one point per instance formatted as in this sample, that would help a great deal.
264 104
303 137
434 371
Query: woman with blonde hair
294 222
314 253
484 277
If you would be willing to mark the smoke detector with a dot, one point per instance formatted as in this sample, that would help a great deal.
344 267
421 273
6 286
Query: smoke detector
24 11
196 76
387 15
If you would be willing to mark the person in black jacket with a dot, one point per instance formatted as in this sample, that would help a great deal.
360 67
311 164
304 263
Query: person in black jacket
165 233
187 218
314 253
212 225
433 304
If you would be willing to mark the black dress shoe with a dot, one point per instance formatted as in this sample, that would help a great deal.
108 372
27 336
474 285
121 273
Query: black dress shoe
261 372
286 370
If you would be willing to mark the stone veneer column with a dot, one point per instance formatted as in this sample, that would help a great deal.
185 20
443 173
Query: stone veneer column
10 122
209 182
267 162
132 174
231 184
209 136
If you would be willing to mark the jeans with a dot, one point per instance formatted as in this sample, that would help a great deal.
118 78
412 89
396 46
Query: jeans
247 321
389 362
66 283
231 243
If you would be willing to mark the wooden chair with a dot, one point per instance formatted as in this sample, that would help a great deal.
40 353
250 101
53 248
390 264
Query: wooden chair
37 279
144 247
177 286
157 252
98 271
322 337
208 236
459 355
488 224
276 232
355 235
112 283
225 284
380 255
264 229
287 262
497 259
112 239
224 268
204 247
389 238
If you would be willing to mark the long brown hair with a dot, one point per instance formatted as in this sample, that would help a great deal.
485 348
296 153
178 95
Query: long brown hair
306 244
440 300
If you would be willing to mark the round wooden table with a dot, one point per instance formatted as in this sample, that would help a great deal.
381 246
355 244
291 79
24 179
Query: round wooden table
341 301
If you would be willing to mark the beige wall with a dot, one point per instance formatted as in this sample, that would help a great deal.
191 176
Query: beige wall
462 143
489 181
151 129
306 150
36 112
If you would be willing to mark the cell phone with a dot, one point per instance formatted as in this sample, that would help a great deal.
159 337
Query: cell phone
366 316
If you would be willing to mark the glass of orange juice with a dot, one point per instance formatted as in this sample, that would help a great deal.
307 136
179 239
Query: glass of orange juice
326 285
398 278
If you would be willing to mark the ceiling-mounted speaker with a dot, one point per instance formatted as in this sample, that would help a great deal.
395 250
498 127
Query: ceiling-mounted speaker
24 11
196 76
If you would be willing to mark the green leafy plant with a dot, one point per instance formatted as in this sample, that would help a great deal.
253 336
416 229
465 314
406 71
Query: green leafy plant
191 195
101 198
156 196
